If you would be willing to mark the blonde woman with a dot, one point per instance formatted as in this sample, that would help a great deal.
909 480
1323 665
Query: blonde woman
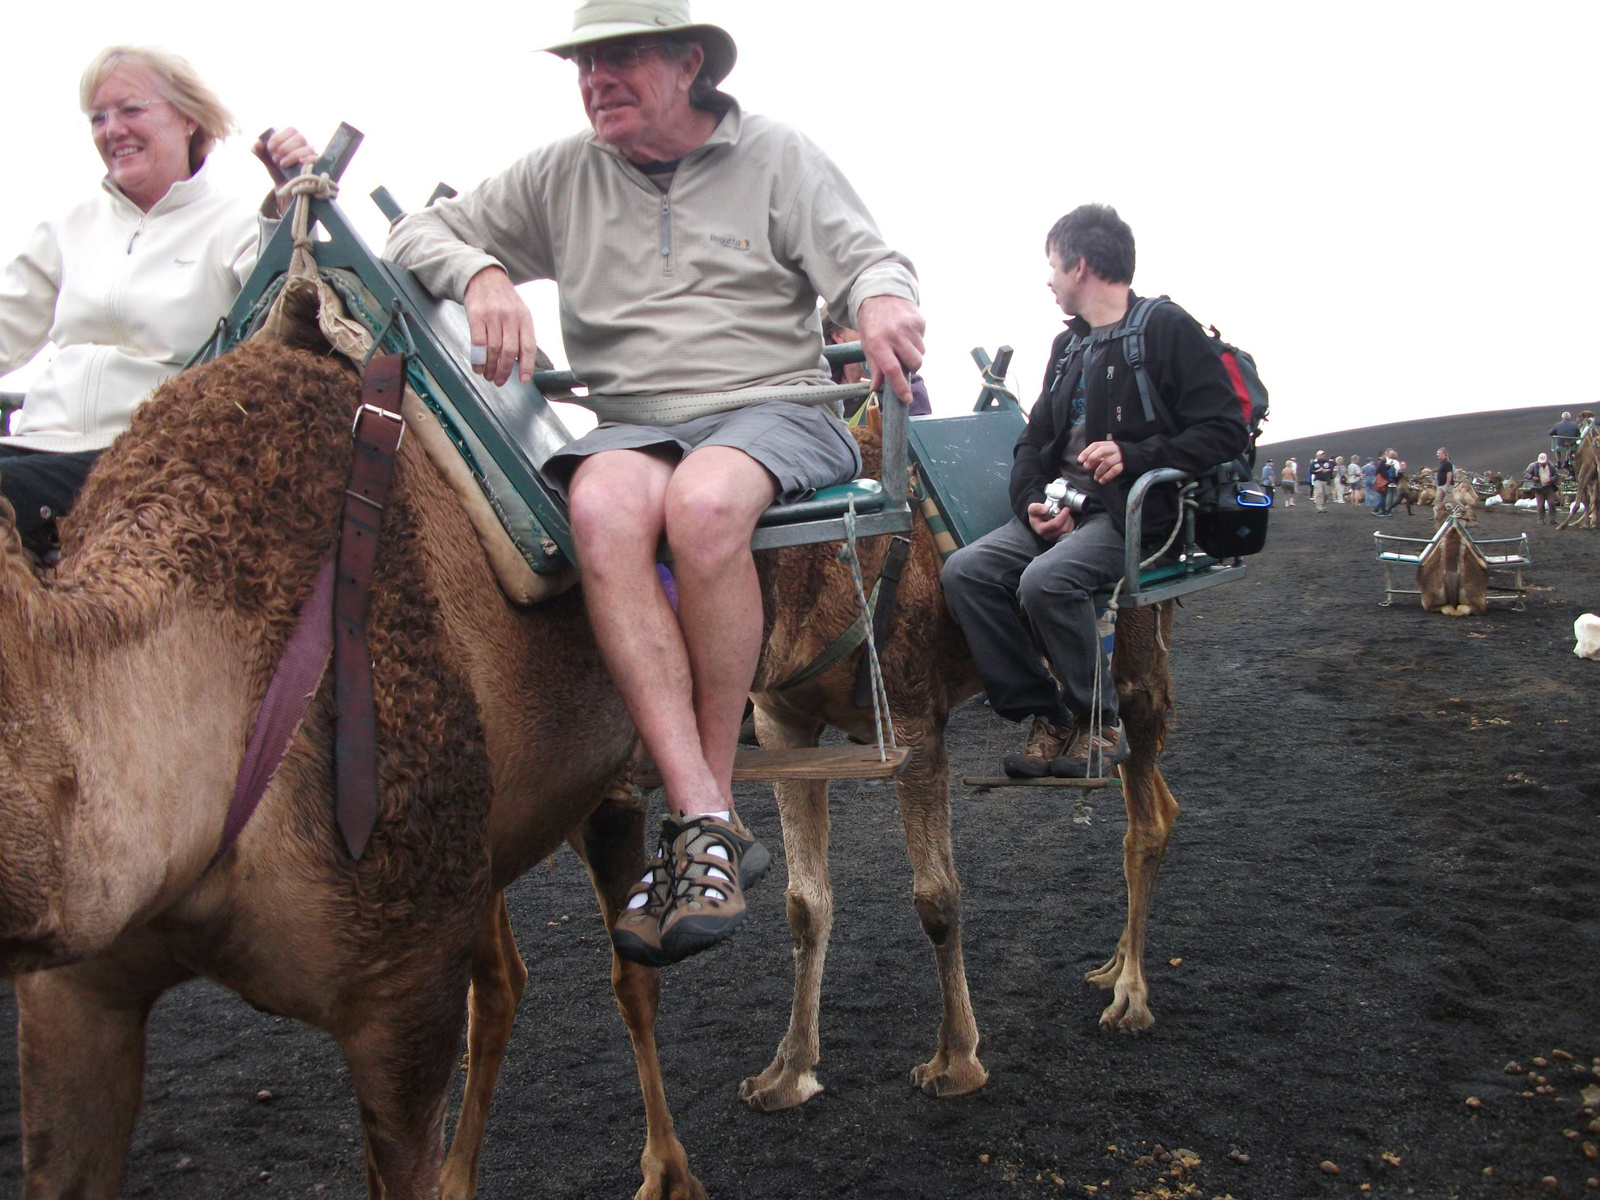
129 283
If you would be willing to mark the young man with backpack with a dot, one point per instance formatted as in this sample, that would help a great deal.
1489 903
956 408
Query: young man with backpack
1132 384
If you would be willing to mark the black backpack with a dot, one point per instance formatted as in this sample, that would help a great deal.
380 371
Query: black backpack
1231 517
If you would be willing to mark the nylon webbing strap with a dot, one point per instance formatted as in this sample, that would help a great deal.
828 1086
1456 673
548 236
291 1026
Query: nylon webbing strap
894 561
378 430
283 709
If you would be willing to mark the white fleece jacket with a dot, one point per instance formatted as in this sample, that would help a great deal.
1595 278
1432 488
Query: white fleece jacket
127 297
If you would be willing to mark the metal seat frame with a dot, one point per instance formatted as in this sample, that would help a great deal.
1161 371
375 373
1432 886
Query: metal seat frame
1520 555
1191 570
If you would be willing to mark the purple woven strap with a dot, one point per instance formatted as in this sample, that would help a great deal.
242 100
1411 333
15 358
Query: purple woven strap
294 685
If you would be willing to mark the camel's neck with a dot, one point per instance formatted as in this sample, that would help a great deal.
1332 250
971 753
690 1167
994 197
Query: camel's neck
124 766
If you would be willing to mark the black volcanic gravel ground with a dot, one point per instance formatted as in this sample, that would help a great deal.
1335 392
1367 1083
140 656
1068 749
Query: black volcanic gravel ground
1382 888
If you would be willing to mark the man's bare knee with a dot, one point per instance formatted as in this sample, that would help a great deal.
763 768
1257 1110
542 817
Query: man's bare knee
708 524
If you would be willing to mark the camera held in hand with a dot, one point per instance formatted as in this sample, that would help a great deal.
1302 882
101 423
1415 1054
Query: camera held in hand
1059 495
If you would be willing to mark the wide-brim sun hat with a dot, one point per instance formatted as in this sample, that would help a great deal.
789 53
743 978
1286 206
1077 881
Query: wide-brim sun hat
602 20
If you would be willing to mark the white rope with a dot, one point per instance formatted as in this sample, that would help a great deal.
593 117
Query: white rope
881 716
296 191
1096 725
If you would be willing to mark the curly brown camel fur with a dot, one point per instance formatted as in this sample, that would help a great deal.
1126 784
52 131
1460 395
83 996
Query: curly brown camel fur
809 599
130 678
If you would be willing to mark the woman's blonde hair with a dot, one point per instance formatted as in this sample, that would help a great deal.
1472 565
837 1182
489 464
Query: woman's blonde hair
180 84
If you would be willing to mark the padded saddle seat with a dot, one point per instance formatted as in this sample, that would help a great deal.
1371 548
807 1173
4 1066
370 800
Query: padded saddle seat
828 502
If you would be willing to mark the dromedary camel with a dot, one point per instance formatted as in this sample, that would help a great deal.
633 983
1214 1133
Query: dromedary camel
1587 465
809 598
130 678
1453 575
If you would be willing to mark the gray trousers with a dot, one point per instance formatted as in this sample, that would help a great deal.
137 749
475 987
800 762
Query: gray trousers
986 581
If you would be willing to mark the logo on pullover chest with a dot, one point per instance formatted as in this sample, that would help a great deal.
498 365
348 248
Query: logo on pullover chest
731 243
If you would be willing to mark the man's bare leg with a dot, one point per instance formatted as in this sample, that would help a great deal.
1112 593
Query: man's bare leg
713 502
617 503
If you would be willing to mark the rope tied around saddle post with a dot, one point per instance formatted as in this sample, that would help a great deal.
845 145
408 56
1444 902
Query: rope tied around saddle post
995 385
881 717
299 191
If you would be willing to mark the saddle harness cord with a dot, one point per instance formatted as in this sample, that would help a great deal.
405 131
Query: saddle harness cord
333 624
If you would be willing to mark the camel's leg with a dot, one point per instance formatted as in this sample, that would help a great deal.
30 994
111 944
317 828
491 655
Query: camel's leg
924 791
401 1058
80 1050
611 845
498 977
1151 814
791 1079
1145 696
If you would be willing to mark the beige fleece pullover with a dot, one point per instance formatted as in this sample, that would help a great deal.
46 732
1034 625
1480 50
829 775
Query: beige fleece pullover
670 301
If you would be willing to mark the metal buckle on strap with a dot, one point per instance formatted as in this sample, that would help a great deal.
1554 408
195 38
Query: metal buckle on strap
382 412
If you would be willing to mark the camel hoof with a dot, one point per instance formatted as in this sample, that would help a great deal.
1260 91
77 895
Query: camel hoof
670 1183
1126 1015
776 1089
945 1079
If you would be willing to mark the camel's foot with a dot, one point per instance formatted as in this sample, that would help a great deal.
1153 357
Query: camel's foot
1129 1010
668 1180
946 1076
779 1086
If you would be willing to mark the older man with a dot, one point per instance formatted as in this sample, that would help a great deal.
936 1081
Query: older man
690 241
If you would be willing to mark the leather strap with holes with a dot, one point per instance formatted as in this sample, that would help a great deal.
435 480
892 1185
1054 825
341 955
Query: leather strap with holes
378 431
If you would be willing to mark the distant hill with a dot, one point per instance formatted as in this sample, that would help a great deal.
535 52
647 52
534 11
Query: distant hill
1507 440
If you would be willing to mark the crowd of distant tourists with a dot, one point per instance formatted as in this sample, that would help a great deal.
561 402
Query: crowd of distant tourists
1340 480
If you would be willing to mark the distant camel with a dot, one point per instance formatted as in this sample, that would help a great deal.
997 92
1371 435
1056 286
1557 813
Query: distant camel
1586 510
1453 575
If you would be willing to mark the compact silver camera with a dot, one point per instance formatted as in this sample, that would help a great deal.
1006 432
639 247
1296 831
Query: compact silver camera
1061 494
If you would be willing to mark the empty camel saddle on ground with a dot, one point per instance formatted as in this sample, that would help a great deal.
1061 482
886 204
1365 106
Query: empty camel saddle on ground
1456 574
320 286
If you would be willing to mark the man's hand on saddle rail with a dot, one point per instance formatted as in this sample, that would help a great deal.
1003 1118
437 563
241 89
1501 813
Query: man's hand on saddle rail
891 339
501 327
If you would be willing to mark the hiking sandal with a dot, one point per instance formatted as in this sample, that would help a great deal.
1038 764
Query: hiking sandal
754 858
637 933
704 909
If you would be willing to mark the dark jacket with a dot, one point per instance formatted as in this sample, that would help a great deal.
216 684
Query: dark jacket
1565 429
1532 475
1186 373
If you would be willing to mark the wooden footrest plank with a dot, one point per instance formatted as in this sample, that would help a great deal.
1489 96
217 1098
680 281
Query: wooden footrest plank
819 762
1005 781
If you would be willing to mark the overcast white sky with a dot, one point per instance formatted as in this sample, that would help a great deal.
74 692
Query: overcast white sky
1391 205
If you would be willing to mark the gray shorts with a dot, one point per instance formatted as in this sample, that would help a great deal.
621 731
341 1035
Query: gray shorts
804 447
